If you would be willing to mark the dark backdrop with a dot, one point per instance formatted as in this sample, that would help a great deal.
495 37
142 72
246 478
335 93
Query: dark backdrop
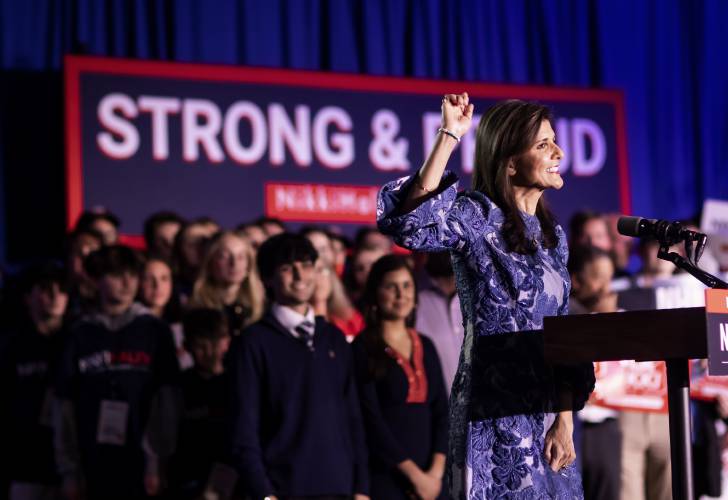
666 56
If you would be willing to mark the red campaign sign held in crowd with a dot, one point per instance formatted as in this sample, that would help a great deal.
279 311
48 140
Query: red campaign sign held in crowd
704 386
234 143
628 385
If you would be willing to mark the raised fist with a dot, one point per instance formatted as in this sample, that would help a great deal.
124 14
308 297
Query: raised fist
457 113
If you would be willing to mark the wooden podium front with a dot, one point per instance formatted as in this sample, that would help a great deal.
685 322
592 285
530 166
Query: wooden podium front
671 335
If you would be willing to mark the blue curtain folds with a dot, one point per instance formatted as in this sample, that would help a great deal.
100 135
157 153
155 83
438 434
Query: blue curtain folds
667 57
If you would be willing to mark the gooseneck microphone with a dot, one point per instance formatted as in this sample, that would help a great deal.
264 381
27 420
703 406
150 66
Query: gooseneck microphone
665 232
659 229
668 234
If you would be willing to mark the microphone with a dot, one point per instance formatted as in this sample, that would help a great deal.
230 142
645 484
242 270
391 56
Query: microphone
659 229
667 233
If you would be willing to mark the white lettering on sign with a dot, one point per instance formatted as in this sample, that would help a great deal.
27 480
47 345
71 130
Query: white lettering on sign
724 337
643 376
201 122
212 134
245 131
245 155
284 133
573 136
386 151
581 131
321 202
683 293
122 139
340 153
160 108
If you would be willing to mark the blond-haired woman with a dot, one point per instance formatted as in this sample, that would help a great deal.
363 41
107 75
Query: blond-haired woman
229 281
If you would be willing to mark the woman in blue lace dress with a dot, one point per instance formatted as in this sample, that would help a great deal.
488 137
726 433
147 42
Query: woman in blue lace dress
511 415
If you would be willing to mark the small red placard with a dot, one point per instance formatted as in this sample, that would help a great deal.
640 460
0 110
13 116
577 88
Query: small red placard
321 202
628 385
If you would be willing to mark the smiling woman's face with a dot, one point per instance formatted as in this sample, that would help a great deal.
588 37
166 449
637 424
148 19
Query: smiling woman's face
538 167
396 295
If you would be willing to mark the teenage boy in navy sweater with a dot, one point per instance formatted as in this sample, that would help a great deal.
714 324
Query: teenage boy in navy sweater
117 390
296 425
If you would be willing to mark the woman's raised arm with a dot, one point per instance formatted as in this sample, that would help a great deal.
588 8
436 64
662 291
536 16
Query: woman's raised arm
457 116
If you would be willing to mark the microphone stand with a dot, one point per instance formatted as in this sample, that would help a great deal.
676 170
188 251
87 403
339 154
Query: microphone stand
678 388
681 262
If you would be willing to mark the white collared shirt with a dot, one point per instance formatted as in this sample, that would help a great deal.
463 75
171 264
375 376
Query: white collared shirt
291 319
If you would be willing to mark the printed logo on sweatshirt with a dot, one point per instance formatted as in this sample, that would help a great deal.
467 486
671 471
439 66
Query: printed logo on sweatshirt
32 368
105 361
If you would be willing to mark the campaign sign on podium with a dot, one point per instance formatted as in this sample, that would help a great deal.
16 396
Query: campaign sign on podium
716 311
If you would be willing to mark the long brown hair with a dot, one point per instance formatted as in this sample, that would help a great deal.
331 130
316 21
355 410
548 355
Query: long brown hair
505 132
372 337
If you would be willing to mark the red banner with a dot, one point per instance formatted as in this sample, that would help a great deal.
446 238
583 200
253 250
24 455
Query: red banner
321 202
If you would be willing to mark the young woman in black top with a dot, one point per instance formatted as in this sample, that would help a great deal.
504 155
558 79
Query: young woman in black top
228 281
401 388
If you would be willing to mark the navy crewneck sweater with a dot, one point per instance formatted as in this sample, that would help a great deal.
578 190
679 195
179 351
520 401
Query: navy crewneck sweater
296 423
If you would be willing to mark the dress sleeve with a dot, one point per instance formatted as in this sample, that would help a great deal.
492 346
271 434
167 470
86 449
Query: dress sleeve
442 222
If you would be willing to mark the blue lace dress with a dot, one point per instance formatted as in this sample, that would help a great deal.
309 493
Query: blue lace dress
499 411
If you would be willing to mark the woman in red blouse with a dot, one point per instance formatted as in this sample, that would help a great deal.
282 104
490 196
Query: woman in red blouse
401 388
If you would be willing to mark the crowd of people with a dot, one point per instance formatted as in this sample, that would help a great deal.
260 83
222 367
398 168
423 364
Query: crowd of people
258 362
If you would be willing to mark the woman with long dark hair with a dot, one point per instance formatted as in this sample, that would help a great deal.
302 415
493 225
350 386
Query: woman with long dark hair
156 292
401 387
511 415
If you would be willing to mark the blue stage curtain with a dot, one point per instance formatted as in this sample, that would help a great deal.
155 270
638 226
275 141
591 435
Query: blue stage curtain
665 55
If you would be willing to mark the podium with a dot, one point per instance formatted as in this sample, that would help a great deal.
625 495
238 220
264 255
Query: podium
671 335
